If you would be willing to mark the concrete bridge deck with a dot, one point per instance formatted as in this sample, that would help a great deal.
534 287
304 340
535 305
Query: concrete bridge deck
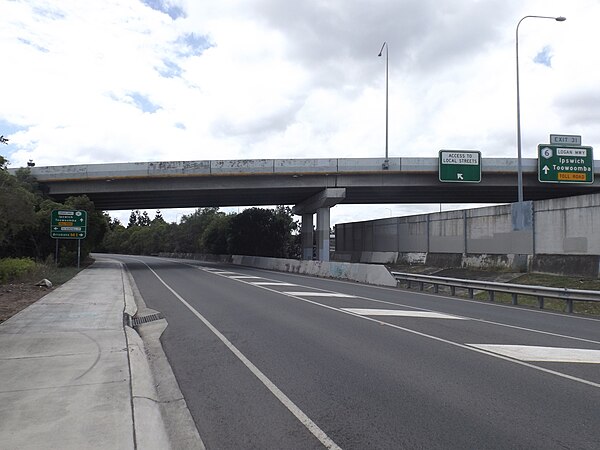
171 184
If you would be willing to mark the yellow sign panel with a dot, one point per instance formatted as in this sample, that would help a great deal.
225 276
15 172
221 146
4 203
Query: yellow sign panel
569 176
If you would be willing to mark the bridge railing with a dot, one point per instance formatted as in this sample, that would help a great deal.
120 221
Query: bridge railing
491 287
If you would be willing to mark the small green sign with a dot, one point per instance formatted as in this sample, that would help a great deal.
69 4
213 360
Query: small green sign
560 164
460 166
68 224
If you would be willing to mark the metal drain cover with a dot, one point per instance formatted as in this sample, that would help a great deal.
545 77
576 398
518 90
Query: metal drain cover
135 321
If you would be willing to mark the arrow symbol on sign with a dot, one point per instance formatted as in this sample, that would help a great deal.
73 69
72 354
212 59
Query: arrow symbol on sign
545 169
459 176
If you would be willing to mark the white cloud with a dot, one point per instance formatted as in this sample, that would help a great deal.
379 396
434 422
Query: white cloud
133 80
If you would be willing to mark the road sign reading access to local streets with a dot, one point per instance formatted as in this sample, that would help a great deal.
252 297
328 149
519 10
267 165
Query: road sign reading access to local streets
560 164
68 224
460 166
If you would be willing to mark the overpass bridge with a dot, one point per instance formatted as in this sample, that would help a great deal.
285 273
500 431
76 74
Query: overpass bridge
312 185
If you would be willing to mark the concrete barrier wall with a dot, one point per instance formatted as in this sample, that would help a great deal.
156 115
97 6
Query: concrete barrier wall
491 236
568 226
363 273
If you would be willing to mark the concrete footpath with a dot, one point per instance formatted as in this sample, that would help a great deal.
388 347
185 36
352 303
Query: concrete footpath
73 375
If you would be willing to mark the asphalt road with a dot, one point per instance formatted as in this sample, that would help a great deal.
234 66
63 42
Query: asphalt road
269 360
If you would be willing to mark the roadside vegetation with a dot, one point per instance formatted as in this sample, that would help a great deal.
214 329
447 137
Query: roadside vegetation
254 231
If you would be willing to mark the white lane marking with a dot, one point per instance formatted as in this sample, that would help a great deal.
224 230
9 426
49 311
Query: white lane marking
491 322
244 277
227 274
271 283
284 399
445 341
463 300
319 294
543 354
439 339
402 313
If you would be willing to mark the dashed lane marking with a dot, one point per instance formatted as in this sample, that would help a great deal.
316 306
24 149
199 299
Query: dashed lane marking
271 283
402 313
543 354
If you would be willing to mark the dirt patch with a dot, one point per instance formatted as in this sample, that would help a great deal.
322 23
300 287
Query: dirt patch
15 297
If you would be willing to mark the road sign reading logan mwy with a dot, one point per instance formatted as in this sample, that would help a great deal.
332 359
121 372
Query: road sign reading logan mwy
560 164
460 166
68 224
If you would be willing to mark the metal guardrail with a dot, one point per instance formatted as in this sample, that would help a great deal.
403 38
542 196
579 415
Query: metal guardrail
541 292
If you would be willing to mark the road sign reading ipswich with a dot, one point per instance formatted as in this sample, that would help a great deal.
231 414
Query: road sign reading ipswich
68 224
460 166
560 164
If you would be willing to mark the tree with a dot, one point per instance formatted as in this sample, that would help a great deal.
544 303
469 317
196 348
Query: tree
133 219
158 218
214 237
262 232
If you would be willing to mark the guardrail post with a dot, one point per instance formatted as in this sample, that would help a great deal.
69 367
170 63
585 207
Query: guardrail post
421 286
453 290
491 296
541 302
514 299
470 293
436 288
570 306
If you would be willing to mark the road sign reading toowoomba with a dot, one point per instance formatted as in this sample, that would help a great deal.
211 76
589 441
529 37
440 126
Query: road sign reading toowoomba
68 224
460 166
560 164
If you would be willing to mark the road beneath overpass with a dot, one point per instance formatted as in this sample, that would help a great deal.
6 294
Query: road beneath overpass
271 360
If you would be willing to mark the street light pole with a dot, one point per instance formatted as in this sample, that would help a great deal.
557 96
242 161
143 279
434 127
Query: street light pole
386 162
519 164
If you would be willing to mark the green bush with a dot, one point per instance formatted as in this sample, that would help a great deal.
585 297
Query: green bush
12 268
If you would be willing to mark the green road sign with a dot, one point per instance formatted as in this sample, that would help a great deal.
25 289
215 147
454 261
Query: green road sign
460 166
68 224
560 164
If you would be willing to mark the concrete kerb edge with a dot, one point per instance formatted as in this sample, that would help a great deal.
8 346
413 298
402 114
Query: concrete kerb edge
149 428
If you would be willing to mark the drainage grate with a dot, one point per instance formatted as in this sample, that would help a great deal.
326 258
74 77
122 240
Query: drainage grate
135 321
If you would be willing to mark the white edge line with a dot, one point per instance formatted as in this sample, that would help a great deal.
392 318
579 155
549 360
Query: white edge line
284 399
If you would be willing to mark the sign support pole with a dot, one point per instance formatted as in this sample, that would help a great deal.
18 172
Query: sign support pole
78 252
56 252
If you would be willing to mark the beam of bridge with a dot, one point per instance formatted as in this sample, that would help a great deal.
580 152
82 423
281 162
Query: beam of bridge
175 184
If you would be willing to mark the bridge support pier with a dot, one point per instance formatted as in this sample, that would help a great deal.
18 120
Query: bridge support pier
323 224
320 204
307 236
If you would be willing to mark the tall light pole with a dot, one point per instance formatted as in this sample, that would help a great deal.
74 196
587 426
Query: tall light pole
519 165
386 162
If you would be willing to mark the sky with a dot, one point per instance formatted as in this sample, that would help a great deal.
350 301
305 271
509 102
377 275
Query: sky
101 81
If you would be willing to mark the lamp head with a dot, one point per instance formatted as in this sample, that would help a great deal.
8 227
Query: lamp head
560 19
